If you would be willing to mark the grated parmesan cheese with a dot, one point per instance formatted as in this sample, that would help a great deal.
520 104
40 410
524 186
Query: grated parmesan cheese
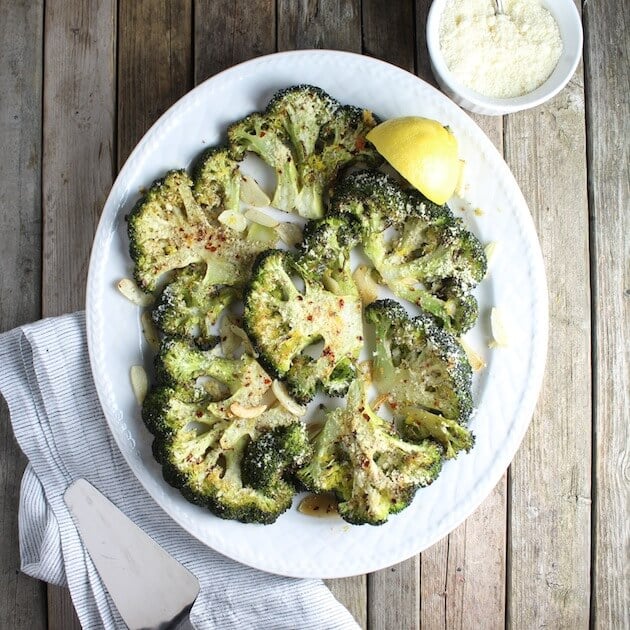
503 55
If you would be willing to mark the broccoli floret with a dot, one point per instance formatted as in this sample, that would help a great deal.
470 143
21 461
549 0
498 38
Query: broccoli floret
206 456
264 136
180 364
217 180
375 199
416 424
307 138
302 110
274 454
432 260
324 253
360 457
187 308
426 375
283 321
169 230
342 142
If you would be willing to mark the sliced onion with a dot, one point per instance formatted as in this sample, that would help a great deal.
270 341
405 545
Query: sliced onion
247 412
476 361
368 289
139 382
150 331
233 219
133 293
289 233
258 216
285 400
252 193
500 332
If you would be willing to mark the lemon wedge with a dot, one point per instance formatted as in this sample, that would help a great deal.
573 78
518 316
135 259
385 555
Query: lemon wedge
423 151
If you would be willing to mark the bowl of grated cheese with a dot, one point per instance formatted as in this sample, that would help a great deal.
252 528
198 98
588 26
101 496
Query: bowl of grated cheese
497 64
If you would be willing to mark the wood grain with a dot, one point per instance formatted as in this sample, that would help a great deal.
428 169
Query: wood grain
395 43
334 24
327 24
78 133
608 113
78 162
22 599
549 567
228 32
154 64
462 578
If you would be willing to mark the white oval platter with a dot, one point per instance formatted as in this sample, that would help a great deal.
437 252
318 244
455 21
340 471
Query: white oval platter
505 392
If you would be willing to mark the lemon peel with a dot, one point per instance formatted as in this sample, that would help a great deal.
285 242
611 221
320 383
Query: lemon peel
423 151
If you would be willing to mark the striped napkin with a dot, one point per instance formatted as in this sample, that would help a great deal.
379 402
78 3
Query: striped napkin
45 378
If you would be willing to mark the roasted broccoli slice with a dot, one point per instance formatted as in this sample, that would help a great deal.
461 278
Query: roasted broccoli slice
214 461
169 230
275 453
342 142
187 308
431 260
184 366
324 253
267 138
307 138
360 457
302 110
283 321
426 375
217 180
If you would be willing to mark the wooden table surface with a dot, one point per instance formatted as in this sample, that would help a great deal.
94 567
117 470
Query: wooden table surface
80 83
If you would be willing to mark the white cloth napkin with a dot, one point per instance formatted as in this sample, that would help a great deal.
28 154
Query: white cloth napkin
46 380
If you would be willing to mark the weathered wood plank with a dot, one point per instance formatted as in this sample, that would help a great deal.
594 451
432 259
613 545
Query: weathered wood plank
228 32
22 599
462 578
393 593
549 569
394 596
389 32
327 24
319 24
78 162
608 112
154 64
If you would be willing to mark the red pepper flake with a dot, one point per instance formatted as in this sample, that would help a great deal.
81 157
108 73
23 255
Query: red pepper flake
267 381
366 416
360 143
341 303
309 318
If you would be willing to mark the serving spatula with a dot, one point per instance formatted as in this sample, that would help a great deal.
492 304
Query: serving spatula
148 586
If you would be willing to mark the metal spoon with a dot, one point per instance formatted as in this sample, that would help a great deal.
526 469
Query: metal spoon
499 7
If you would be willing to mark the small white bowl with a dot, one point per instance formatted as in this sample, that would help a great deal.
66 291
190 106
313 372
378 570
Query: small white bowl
570 25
